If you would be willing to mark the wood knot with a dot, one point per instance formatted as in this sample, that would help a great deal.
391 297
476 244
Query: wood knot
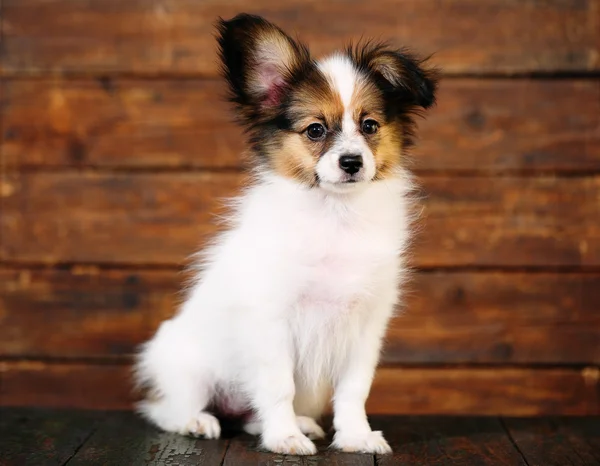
475 119
6 189
591 375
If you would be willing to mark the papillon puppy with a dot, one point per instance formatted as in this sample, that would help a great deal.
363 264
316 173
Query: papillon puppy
291 302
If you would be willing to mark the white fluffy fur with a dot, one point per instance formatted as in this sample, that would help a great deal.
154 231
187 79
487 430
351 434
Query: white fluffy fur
288 314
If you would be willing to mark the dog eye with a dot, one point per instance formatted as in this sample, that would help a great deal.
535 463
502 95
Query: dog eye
315 132
369 126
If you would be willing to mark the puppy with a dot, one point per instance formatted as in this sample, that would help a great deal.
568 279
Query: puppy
292 303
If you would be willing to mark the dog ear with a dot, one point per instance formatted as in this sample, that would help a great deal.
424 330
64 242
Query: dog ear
400 72
258 61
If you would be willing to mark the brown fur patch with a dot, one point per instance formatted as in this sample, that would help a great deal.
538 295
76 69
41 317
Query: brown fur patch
386 144
295 160
312 101
388 153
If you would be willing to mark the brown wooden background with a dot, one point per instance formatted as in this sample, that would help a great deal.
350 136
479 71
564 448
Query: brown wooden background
115 147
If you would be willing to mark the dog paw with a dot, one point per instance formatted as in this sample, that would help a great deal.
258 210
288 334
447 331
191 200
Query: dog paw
203 425
253 427
290 445
309 427
371 442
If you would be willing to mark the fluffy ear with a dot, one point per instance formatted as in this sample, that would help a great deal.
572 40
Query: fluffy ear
259 61
400 71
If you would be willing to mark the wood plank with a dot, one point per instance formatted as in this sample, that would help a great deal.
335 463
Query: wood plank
111 36
485 391
478 125
36 437
587 428
519 125
446 441
509 222
123 218
448 317
124 438
63 385
417 390
83 312
134 124
244 450
497 318
117 218
552 442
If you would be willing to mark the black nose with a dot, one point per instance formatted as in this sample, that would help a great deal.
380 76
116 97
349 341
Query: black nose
351 163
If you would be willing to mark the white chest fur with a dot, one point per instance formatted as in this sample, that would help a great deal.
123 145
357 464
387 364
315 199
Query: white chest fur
321 246
328 257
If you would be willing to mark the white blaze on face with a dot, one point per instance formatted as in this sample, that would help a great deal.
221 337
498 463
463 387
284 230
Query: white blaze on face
343 77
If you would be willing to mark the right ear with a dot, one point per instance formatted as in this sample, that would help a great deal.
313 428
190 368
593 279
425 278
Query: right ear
259 62
401 71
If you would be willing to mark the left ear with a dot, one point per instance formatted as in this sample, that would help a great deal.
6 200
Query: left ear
400 71
259 61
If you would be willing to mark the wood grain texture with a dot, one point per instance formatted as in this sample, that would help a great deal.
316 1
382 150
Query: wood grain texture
447 317
555 442
40 384
478 125
50 123
41 437
155 219
126 439
498 318
82 313
587 428
119 438
446 441
156 36
485 391
161 218
543 221
456 391
245 450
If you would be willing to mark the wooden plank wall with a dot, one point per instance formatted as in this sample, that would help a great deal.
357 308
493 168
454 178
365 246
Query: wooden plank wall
115 147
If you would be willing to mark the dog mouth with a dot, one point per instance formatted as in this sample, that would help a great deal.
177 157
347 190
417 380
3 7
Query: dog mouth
343 183
358 178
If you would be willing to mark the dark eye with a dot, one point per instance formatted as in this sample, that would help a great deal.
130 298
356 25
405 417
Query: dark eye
315 132
369 126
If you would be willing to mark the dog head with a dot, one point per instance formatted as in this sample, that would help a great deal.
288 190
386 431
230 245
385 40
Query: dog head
336 123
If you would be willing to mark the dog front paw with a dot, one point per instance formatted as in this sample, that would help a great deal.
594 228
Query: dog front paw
369 442
203 425
297 444
309 427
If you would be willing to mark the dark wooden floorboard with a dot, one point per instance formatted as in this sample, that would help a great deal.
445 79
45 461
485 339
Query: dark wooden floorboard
43 437
446 441
244 451
559 442
586 428
125 439
34 437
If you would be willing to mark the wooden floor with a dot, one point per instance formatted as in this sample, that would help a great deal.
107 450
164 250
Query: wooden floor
47 437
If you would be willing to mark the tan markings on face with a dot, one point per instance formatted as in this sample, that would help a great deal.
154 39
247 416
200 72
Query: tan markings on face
315 101
366 102
386 144
295 159
389 150
312 102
